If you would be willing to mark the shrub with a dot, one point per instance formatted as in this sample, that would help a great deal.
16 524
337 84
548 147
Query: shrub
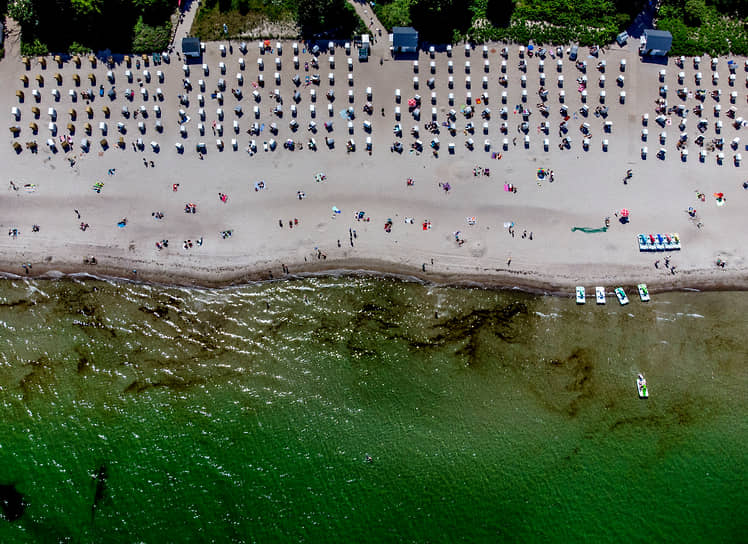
78 49
147 38
35 48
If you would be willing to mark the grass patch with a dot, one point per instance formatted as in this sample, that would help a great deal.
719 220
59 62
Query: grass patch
240 16
699 28
393 13
148 38
587 22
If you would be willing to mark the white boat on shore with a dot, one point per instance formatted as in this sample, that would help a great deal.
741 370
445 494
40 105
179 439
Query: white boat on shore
621 294
643 292
580 295
641 386
600 295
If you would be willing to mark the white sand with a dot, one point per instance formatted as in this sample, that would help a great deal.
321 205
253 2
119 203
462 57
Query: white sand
588 184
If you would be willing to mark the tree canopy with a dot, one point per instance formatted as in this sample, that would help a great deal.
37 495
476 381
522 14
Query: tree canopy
59 25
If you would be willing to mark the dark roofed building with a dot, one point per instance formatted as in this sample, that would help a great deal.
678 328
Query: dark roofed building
656 42
404 40
191 47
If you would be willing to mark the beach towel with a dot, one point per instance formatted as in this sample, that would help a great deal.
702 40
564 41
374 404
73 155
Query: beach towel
589 229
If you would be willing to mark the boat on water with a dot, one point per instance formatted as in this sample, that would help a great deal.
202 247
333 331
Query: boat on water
643 292
621 294
600 295
580 295
641 386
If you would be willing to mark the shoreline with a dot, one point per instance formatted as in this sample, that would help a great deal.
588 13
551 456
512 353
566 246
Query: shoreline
525 281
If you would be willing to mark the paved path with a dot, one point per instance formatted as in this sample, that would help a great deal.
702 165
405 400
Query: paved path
189 10
380 47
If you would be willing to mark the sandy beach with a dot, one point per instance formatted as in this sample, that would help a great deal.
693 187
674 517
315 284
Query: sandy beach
506 238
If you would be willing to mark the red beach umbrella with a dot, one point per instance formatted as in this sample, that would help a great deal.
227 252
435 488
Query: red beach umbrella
624 212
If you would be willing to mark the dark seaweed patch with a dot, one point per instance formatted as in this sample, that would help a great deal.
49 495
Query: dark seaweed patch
12 502
176 383
100 477
570 383
83 361
38 378
648 421
159 312
22 304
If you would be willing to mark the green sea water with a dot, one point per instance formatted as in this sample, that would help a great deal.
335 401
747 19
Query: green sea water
246 414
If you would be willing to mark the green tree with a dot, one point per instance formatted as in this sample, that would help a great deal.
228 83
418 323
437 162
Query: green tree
86 8
695 12
437 20
23 12
499 12
325 16
154 10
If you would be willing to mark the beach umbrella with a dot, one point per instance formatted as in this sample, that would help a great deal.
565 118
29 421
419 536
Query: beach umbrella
624 212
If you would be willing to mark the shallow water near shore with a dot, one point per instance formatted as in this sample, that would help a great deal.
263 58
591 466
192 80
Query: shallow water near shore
247 414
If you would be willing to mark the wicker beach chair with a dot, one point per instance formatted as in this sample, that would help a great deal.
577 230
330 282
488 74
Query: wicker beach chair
73 114
20 95
58 78
89 112
36 111
25 79
43 63
92 79
77 61
87 128
92 60
34 127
